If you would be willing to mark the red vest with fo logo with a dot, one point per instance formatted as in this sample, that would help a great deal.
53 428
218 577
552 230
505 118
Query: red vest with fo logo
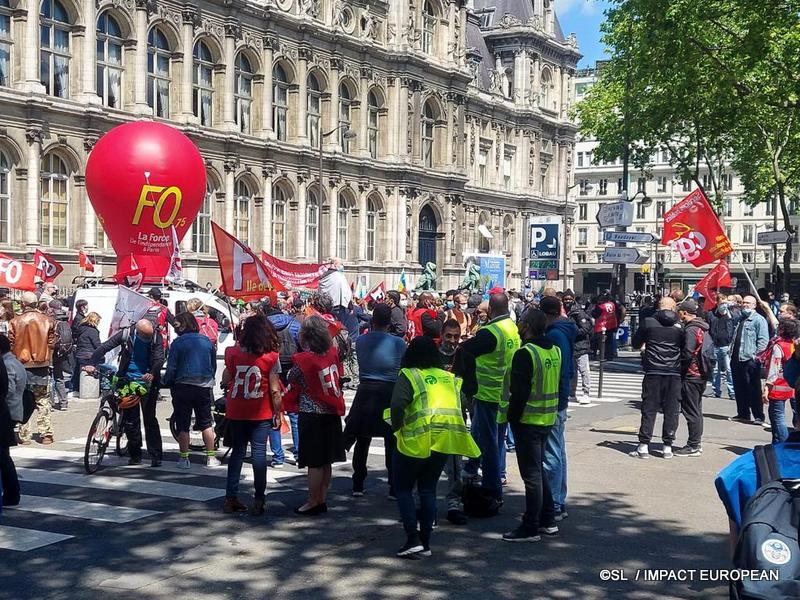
248 390
322 374
607 317
780 388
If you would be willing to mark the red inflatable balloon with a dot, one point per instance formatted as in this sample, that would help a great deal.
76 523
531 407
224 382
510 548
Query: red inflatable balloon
142 178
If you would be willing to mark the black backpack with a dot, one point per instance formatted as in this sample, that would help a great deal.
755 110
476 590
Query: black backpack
64 344
28 405
768 536
288 346
707 357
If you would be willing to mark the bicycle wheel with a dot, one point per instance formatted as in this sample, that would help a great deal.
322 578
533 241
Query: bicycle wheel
97 440
122 437
195 437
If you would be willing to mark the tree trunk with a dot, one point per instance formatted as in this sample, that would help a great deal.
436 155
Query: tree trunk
786 280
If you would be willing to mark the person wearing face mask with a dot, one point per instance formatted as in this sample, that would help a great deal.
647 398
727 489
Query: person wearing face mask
398 324
582 348
750 339
425 318
456 311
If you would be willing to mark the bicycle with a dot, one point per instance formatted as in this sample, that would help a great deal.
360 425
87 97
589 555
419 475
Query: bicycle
220 425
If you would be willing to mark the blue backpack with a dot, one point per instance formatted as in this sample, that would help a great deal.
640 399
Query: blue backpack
768 539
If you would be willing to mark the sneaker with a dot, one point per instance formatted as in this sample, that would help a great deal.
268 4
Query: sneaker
585 399
276 465
667 452
504 482
426 550
412 546
135 460
689 451
511 449
738 419
560 516
456 517
213 461
47 440
156 462
549 529
637 454
22 442
521 534
233 505
759 422
391 497
357 493
184 463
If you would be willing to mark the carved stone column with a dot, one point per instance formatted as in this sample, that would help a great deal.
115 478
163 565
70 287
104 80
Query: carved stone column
187 32
266 103
140 72
228 102
230 192
34 138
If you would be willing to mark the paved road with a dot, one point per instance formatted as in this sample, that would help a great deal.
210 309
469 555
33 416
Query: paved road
132 530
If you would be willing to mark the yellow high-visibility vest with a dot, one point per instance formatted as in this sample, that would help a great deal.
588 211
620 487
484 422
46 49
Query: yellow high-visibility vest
542 404
490 369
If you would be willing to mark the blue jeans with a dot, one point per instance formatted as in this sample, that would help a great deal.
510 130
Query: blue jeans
723 366
510 443
486 433
424 473
777 420
256 433
295 436
276 445
502 431
555 462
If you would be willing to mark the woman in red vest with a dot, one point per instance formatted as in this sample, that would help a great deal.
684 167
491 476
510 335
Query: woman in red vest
252 407
317 393
777 390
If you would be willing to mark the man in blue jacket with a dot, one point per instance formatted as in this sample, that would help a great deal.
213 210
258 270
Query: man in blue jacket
563 332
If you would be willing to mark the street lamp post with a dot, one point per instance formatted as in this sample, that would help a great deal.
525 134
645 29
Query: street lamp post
348 134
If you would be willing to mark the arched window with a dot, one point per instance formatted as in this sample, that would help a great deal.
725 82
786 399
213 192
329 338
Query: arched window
373 109
158 58
428 121
54 201
203 83
345 103
342 214
428 28
278 221
372 228
546 84
201 228
241 212
244 92
109 60
313 109
5 197
312 225
55 55
5 43
280 101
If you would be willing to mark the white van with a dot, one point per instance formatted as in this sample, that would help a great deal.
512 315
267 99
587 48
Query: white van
102 297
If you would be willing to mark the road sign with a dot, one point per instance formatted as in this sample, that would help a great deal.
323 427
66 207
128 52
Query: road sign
770 238
629 237
544 241
623 256
615 214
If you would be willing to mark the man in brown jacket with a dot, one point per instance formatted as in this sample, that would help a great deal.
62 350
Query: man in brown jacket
33 337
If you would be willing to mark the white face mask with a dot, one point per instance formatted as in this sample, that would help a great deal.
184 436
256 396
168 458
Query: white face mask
403 303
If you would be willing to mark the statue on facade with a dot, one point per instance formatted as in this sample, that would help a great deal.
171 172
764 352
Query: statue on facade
428 279
472 278
310 8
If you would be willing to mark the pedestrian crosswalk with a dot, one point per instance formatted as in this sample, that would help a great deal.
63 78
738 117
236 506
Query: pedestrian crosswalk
617 387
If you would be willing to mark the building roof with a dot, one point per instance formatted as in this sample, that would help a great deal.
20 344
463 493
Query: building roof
521 9
475 40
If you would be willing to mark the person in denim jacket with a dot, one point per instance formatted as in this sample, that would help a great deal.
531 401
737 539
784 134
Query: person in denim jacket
750 338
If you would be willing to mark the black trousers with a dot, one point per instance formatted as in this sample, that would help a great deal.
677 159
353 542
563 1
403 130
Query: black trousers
152 432
747 387
539 508
692 409
360 455
660 392
9 477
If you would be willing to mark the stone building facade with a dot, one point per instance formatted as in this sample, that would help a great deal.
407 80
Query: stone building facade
437 116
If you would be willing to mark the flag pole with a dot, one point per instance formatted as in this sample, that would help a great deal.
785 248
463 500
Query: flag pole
746 274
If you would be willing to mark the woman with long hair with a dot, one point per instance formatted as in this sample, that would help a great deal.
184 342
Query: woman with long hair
86 338
252 408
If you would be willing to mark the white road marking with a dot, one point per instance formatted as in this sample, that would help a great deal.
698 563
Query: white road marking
23 540
82 510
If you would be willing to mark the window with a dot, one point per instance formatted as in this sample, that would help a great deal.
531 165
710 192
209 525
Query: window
54 201
707 182
662 184
345 102
747 257
747 234
583 210
201 228
665 156
486 18
54 57
728 207
728 232
584 187
641 185
100 237
580 159
770 207
508 170
5 198
727 182
620 186
640 229
687 184
589 159
241 212
580 257
278 221
483 156
661 207
342 214
5 43
603 187
372 221
428 120
373 114
428 28
244 92
747 211
544 95
158 80
202 83
280 101
641 211
109 61
313 109
583 235
312 225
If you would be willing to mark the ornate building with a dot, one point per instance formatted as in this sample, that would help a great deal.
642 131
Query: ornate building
435 117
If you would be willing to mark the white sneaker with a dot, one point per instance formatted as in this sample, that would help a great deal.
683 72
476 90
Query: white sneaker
213 461
585 399
667 452
183 463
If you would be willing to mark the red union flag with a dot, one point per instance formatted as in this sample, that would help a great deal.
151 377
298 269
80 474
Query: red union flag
46 266
692 228
243 274
378 293
132 279
719 276
296 275
17 275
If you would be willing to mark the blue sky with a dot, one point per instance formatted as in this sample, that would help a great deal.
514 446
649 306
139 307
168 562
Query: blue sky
584 18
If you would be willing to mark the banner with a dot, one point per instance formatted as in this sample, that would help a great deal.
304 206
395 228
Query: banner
492 269
132 279
378 293
17 275
294 275
47 268
692 228
243 274
719 276
84 262
175 271
130 307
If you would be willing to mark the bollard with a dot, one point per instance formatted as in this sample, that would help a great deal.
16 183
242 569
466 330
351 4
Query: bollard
90 387
602 360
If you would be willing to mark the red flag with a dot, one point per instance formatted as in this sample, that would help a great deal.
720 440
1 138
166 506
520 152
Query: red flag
296 275
378 293
46 266
132 279
16 274
692 228
334 326
719 276
84 262
243 274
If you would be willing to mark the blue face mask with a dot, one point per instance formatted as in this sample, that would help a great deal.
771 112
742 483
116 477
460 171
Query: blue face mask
450 304
747 312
